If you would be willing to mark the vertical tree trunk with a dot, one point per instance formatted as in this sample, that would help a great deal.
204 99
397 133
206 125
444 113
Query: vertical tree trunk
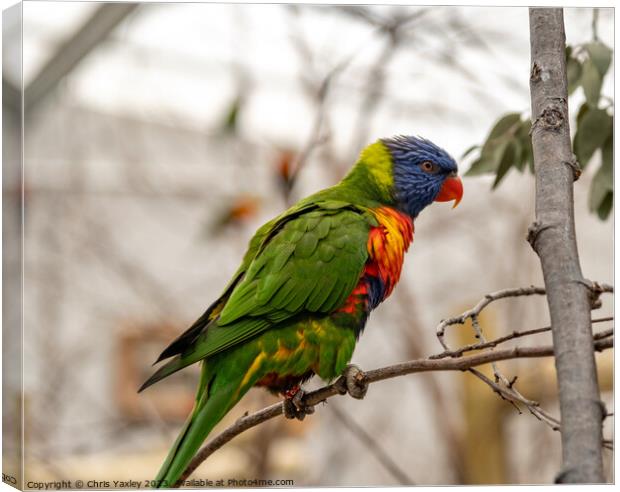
552 236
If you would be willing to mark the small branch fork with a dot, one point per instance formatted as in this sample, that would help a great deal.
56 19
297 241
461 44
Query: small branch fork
515 334
503 386
474 312
355 382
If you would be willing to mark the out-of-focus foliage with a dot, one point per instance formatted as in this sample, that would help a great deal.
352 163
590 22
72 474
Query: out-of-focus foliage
234 212
509 144
231 118
285 173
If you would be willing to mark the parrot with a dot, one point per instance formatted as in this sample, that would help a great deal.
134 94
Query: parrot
301 298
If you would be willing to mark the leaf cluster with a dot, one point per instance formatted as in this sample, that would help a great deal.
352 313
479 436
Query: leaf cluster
586 67
509 144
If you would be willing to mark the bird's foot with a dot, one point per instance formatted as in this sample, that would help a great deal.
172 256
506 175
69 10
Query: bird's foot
353 381
294 406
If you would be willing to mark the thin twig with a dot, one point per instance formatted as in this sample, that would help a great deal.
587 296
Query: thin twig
508 390
514 335
484 302
318 91
373 446
514 397
595 24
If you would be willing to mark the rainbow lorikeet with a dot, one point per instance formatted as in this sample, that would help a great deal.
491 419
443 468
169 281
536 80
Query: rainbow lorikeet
302 295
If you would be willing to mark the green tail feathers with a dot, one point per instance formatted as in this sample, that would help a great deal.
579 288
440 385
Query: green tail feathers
198 426
216 395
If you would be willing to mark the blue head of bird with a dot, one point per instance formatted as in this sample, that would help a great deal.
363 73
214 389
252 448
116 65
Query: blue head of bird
422 173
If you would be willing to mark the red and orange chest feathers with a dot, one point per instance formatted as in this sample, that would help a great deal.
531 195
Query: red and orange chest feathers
387 245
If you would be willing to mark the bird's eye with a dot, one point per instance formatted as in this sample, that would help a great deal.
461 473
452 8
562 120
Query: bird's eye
429 167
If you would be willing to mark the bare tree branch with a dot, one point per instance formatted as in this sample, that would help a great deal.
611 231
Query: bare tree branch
414 366
474 312
504 386
553 238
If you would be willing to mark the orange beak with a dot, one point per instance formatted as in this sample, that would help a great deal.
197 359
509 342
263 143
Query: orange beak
452 189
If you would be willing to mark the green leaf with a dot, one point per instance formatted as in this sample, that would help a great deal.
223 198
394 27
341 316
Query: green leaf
601 190
592 131
503 130
608 157
582 112
469 151
527 154
605 207
495 145
591 82
507 160
231 118
573 73
505 124
519 162
481 166
600 55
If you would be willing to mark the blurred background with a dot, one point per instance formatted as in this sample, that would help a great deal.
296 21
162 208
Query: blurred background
158 137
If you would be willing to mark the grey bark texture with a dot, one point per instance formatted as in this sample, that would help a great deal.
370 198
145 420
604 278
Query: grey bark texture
553 238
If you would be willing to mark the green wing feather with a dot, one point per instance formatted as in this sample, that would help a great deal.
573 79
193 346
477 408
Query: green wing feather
308 260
